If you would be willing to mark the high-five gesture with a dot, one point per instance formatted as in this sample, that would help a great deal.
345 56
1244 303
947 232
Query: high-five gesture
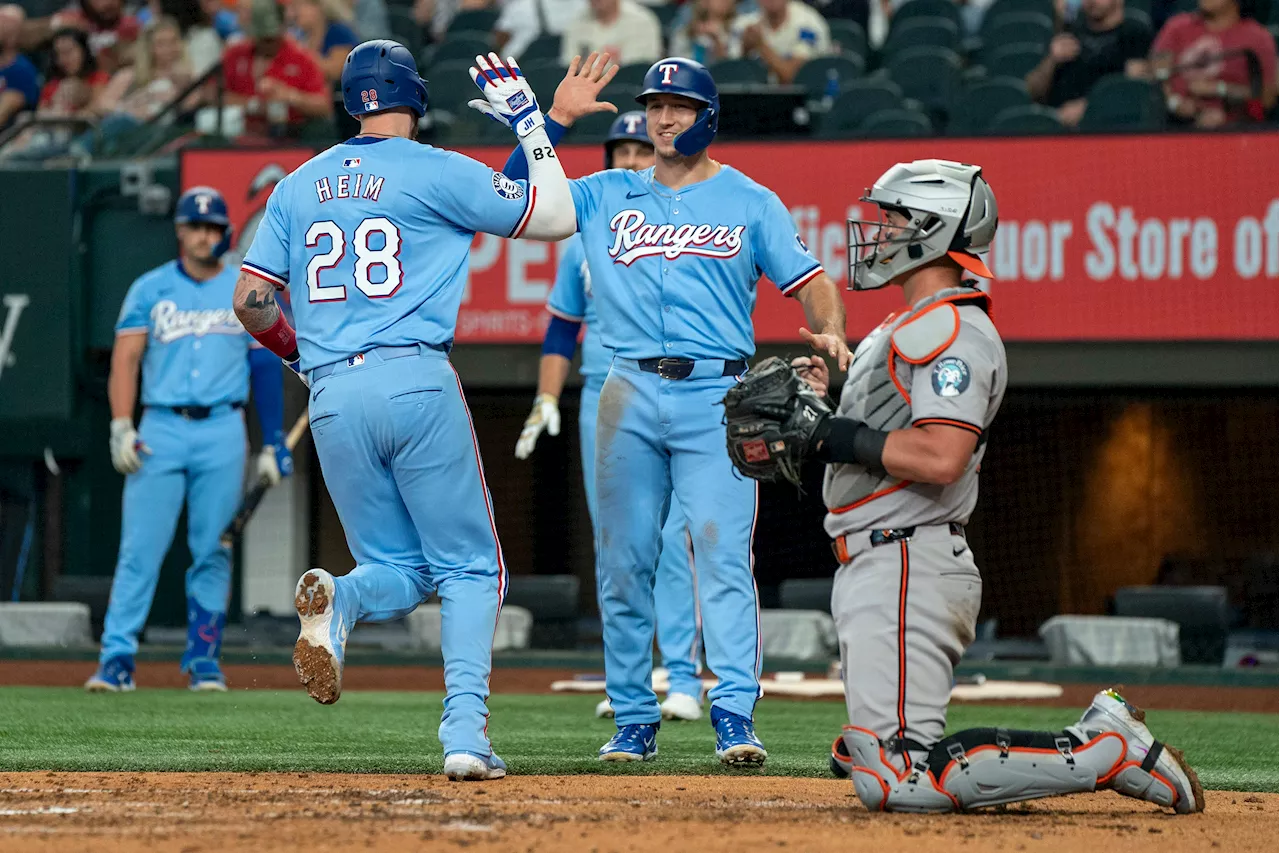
508 98
577 94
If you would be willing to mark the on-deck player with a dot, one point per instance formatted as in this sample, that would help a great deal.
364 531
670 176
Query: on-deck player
372 239
905 447
676 252
627 146
176 325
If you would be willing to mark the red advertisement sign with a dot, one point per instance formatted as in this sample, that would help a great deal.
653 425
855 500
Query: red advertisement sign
1162 237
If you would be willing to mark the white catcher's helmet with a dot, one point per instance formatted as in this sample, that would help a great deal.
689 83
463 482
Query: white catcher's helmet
952 212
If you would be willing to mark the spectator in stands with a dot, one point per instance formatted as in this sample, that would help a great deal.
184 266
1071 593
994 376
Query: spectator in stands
1217 67
109 30
709 35
434 16
74 79
19 80
784 35
323 27
202 44
372 20
522 21
277 82
1099 42
139 92
624 29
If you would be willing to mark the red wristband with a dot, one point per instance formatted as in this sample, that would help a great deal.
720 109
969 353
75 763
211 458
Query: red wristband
280 338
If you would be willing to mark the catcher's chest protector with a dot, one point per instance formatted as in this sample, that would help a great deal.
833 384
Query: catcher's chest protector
877 384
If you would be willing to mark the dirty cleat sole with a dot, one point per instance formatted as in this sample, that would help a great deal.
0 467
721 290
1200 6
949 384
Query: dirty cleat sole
314 655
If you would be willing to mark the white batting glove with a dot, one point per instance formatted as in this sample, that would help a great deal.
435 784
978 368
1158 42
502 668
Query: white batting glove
545 415
125 446
267 468
509 100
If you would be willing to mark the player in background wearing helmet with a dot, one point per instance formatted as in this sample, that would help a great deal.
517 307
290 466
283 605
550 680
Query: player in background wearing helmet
372 239
675 253
627 146
177 326
904 448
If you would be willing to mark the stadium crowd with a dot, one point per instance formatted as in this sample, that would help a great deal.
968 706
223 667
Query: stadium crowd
98 76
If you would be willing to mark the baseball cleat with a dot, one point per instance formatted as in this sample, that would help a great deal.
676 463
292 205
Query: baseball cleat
317 656
637 742
114 675
841 762
681 706
469 767
207 677
736 741
604 709
1151 770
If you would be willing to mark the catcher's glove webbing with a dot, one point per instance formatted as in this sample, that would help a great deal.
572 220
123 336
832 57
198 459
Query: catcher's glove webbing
771 417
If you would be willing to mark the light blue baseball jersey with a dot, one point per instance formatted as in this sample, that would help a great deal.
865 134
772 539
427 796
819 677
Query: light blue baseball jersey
572 299
197 351
372 238
675 271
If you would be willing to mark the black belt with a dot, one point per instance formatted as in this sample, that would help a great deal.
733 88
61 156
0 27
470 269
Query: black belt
199 413
681 368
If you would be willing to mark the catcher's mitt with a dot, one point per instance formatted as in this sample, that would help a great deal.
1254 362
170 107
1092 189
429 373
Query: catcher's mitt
770 420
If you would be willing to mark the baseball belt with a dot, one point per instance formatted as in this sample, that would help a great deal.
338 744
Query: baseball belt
385 353
682 368
200 413
885 536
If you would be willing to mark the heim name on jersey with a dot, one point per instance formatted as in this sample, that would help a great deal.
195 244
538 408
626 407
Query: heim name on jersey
169 323
633 239
359 185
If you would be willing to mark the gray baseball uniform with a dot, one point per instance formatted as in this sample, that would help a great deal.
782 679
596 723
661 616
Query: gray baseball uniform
907 594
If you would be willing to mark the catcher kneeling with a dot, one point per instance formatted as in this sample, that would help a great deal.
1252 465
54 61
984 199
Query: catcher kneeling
904 449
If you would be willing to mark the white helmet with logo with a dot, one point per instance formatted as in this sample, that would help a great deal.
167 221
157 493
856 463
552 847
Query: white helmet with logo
951 212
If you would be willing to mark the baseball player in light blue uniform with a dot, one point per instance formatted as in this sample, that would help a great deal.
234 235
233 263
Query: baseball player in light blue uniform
372 238
196 361
627 146
675 253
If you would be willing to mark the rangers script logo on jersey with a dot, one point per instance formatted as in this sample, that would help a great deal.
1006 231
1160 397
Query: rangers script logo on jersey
172 323
633 239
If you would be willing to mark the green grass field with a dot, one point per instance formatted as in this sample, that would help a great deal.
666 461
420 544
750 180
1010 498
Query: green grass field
66 729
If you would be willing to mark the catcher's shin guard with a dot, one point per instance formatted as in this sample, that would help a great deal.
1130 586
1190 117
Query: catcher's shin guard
983 767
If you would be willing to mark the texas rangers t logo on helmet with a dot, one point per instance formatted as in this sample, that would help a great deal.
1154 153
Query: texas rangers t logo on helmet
633 123
667 70
202 204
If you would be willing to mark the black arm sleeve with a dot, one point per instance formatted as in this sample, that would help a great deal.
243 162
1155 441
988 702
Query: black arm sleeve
847 440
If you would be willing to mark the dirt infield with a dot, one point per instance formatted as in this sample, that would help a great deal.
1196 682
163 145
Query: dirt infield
221 812
534 680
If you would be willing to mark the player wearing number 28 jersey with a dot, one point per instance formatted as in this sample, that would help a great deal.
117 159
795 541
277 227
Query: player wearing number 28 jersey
371 238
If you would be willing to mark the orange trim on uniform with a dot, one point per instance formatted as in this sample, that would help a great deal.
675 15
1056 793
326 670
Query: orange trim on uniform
893 374
869 498
902 647
937 351
968 427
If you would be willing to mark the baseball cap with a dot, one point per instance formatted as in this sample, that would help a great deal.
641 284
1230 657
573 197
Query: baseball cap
265 20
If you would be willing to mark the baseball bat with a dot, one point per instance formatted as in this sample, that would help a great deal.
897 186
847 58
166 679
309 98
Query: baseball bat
254 497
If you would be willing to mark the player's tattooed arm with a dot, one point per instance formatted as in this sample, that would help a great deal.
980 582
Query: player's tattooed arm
255 303
824 311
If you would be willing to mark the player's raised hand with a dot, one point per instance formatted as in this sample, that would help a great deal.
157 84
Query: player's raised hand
545 416
813 370
508 98
578 93
832 345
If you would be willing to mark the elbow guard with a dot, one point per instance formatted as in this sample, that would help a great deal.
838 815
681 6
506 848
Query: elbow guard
561 338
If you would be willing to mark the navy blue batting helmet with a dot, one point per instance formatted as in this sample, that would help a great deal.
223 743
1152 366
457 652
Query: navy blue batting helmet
381 75
679 76
628 127
205 204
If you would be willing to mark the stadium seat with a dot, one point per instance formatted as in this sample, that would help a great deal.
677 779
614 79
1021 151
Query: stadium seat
979 104
805 594
1028 118
622 96
474 20
1006 7
913 9
922 32
458 48
1118 103
931 75
1013 60
740 71
593 127
1203 615
544 77
632 73
1141 17
541 49
816 75
666 13
896 123
449 93
855 103
848 37
405 29
1017 28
